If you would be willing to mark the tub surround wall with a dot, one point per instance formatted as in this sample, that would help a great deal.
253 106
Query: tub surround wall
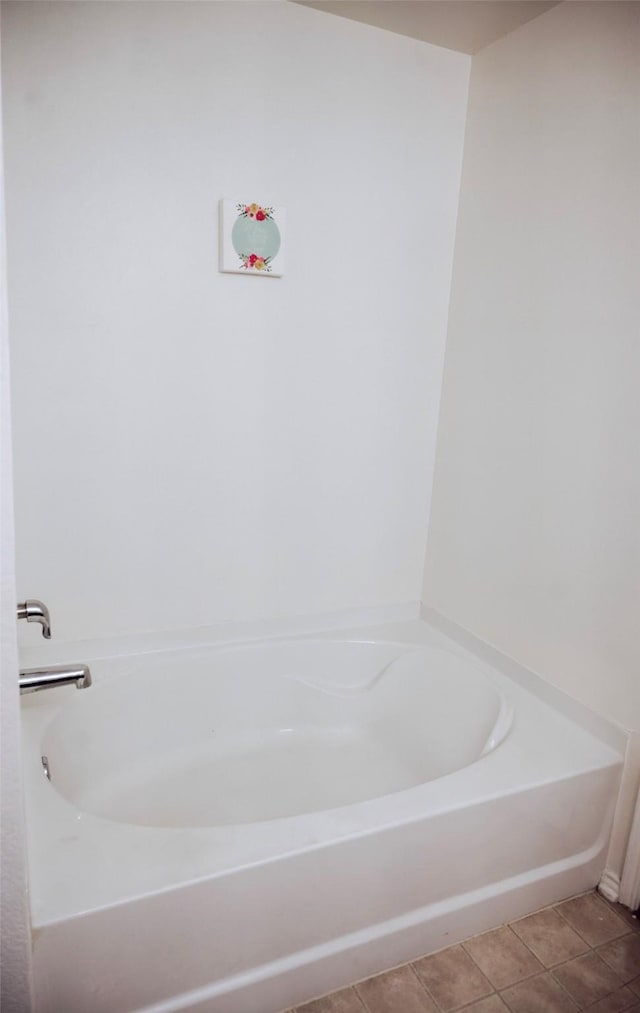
534 541
211 447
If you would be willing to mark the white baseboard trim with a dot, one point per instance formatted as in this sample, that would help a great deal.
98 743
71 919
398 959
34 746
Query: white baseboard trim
609 885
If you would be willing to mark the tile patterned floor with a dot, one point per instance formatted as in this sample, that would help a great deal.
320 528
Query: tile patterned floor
581 954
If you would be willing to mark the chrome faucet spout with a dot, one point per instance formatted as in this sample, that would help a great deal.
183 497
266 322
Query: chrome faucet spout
34 679
35 611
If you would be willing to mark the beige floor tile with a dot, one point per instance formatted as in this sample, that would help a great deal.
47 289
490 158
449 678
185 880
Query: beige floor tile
618 1001
550 937
345 1001
587 978
395 991
622 912
593 919
452 978
502 957
623 955
538 995
492 1004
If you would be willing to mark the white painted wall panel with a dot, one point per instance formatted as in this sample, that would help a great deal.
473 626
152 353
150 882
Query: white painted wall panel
534 541
193 447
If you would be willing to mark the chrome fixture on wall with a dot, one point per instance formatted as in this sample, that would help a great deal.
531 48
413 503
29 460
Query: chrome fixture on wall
35 611
34 679
50 676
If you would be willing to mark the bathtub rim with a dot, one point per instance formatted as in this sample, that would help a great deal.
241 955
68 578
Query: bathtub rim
397 621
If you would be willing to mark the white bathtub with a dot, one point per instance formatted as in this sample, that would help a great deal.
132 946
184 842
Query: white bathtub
238 829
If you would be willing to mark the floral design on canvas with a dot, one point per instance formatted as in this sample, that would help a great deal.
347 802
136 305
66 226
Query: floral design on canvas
258 241
251 238
255 262
255 211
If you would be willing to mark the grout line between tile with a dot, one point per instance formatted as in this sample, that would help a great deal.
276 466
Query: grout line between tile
496 991
505 1001
467 1005
554 907
560 985
397 967
527 947
362 1001
539 974
424 987
526 977
361 998
579 933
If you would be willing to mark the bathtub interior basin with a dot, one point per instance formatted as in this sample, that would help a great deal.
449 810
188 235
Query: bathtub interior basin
246 735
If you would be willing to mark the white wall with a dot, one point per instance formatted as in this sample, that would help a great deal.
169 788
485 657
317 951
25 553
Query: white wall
193 447
534 541
15 940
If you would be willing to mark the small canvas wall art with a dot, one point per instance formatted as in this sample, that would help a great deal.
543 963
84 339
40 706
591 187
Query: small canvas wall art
251 238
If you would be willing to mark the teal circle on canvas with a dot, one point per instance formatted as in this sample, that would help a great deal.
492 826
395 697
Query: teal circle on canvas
249 236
